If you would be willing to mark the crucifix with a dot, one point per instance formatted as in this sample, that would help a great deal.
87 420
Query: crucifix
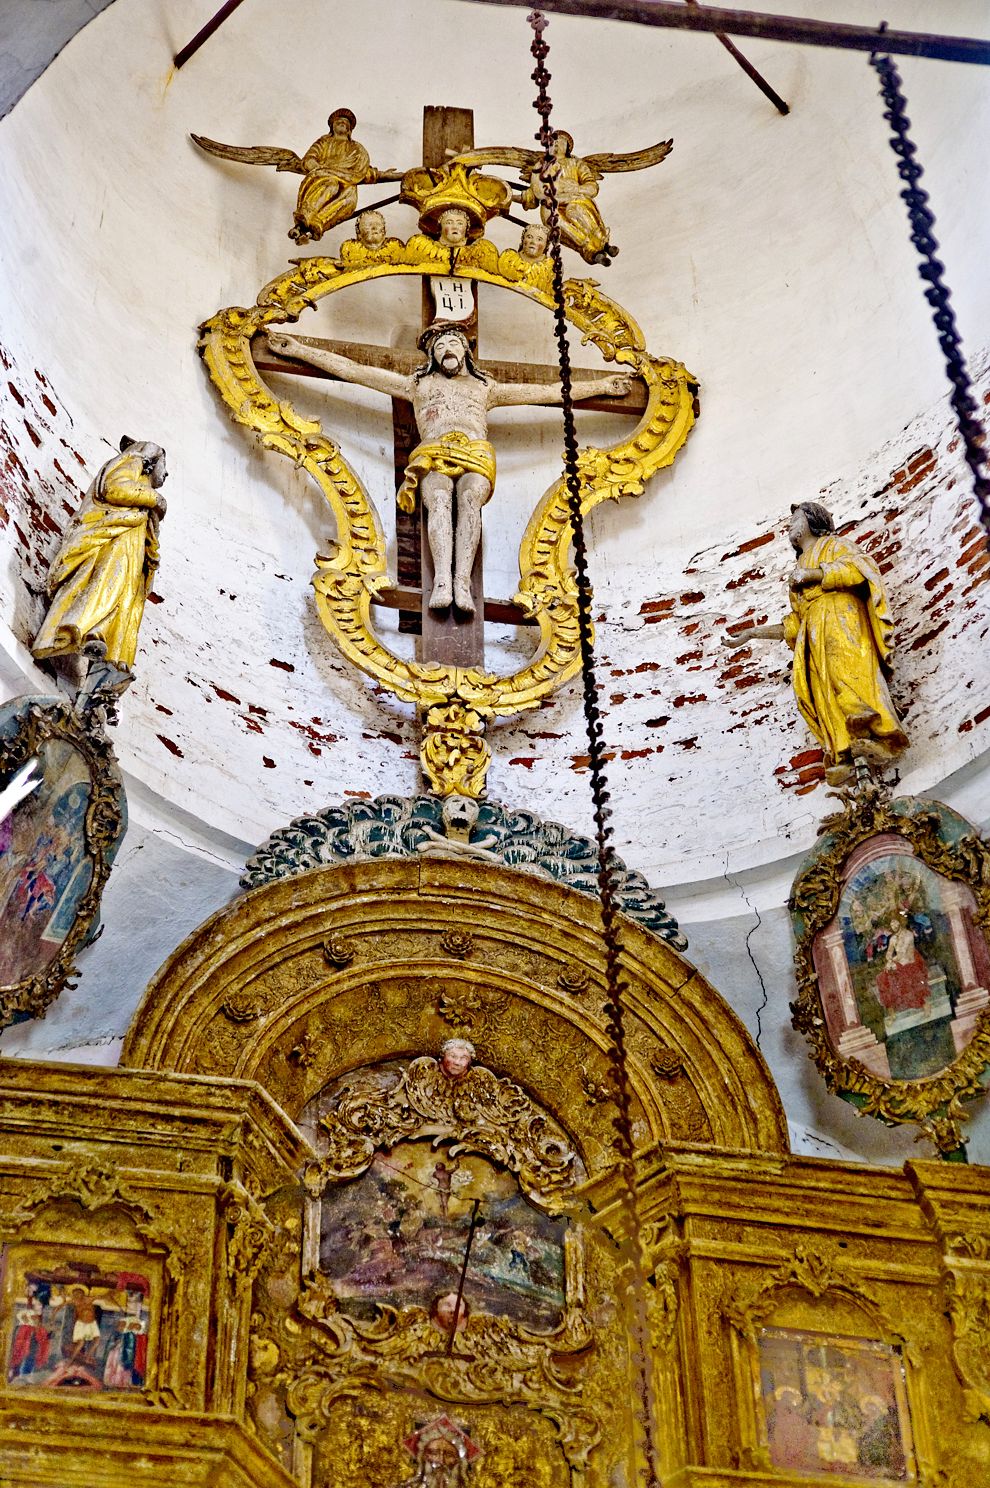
443 460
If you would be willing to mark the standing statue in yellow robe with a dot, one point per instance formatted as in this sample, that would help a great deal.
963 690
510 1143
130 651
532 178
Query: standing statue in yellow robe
841 632
101 574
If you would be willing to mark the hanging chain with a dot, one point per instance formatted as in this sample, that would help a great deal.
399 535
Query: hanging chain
931 268
607 863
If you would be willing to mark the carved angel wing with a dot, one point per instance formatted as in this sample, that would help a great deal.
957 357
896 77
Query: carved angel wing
607 163
521 159
283 160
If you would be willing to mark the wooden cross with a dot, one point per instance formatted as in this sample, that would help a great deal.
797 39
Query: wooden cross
444 636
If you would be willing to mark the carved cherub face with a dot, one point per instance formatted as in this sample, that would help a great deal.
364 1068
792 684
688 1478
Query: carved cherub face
453 227
533 244
456 1058
445 1309
371 230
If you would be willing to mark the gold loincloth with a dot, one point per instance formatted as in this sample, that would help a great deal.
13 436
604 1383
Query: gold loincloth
452 455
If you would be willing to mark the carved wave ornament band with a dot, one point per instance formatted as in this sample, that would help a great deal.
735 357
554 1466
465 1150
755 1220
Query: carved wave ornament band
407 827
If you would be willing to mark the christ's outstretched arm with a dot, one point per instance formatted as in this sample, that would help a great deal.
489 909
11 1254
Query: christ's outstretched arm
393 384
548 393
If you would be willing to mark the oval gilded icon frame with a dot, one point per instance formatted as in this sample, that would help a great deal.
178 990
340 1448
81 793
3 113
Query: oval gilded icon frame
36 722
950 847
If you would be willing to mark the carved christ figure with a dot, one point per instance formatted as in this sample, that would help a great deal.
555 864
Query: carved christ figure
453 466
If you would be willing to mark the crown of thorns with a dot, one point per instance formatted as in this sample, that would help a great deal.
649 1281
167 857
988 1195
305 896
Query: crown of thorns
443 328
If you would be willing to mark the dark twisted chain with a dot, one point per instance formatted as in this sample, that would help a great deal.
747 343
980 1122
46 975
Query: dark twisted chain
931 269
607 865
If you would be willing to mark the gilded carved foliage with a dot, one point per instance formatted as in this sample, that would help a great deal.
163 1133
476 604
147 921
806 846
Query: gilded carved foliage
250 1232
966 1278
480 1112
316 1356
493 1360
95 1185
813 1269
935 1102
458 703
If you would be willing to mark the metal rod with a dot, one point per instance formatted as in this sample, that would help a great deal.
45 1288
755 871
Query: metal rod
751 72
460 1284
191 47
768 27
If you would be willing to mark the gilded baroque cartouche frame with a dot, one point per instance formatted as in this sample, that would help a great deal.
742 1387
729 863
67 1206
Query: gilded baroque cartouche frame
934 1102
49 721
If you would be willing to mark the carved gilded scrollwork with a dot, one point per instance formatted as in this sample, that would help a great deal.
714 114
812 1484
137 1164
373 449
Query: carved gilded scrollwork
97 1185
813 1269
250 1233
480 1112
968 1291
492 1360
458 702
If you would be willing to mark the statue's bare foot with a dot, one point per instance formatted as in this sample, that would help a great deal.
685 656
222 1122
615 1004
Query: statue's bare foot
440 599
463 598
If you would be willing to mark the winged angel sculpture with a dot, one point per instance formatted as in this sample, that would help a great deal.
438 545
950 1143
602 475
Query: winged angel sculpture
332 169
577 178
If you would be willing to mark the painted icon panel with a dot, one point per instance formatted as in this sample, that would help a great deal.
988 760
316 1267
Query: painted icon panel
835 1406
399 1234
45 867
77 1320
903 966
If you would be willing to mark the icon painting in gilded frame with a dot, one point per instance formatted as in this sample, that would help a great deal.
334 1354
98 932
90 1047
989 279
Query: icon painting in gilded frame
890 915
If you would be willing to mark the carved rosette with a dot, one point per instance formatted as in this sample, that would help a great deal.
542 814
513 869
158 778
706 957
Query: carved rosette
459 703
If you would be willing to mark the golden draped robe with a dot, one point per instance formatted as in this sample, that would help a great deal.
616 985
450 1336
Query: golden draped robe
841 633
453 455
335 168
103 570
581 223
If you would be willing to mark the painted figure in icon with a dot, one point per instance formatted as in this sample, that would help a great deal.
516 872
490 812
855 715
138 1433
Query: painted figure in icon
443 1453
902 981
841 632
833 1407
75 1328
44 864
31 1343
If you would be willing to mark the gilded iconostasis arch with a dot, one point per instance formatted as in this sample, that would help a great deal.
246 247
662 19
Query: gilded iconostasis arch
300 981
